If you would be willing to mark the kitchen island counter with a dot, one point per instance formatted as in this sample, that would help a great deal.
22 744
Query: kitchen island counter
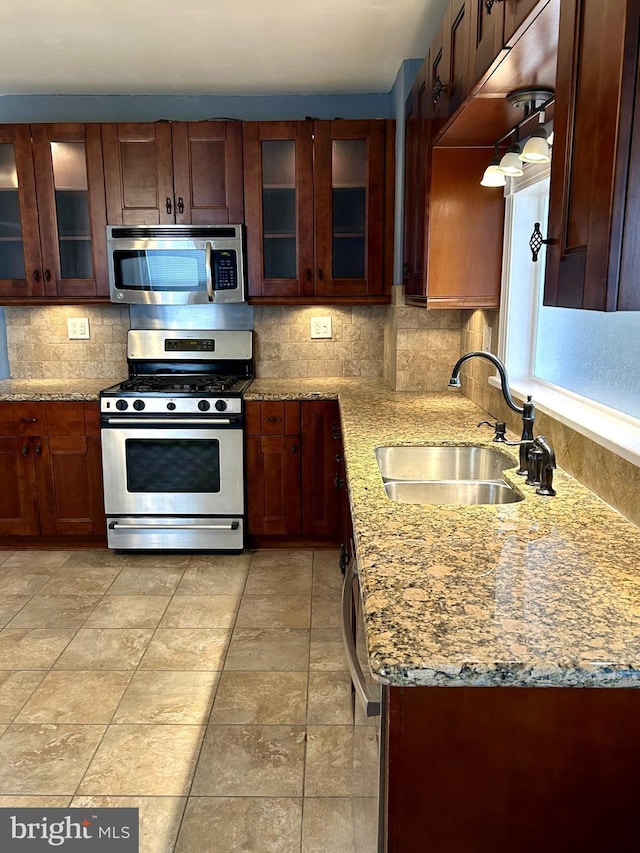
540 593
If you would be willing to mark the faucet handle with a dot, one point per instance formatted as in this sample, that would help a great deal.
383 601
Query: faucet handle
500 428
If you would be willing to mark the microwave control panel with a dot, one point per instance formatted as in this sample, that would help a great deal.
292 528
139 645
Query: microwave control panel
225 269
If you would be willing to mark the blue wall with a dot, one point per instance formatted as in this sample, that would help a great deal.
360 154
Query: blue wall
4 359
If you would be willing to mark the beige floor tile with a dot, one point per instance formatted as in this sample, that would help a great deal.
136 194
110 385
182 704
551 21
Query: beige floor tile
147 580
143 761
275 611
208 578
201 611
168 697
159 818
45 759
3 730
35 802
10 605
186 649
267 698
105 648
56 611
339 761
330 699
339 825
77 580
248 824
35 648
42 561
280 573
128 611
326 569
326 611
23 581
251 761
105 557
277 650
4 556
75 697
327 650
15 689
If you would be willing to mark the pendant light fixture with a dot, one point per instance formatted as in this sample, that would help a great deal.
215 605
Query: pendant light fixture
493 174
511 163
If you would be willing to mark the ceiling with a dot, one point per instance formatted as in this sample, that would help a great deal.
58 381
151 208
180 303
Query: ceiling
209 46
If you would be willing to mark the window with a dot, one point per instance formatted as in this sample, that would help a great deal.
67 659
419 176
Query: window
582 367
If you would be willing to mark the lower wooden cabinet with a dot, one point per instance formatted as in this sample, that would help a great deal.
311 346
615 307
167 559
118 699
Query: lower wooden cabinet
295 471
50 469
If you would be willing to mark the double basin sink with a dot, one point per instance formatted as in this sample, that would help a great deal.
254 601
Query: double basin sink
446 474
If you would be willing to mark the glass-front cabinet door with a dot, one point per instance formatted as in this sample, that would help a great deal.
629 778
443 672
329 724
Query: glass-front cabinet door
349 207
278 164
71 206
20 263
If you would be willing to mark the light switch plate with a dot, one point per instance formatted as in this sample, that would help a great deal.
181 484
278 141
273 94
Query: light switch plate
321 327
78 327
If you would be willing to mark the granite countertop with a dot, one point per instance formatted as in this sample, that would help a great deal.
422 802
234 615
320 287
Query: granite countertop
44 390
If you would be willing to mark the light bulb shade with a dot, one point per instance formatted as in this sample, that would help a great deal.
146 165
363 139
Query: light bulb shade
493 176
510 163
536 149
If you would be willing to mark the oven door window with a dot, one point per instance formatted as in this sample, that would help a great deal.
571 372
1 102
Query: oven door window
173 270
173 465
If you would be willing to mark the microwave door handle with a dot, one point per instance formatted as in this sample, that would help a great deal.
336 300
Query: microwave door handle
207 263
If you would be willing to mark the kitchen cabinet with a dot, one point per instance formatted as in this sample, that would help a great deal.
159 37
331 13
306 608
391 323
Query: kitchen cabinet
449 63
296 486
52 213
173 172
594 250
516 13
487 34
318 210
500 769
50 469
417 135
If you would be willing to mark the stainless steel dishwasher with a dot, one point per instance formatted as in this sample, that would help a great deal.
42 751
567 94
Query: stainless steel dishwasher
369 701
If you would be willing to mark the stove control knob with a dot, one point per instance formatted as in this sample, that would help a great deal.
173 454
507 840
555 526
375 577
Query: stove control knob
221 405
121 405
204 405
138 405
171 407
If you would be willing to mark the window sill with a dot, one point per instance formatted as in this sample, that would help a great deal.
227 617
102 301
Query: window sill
613 430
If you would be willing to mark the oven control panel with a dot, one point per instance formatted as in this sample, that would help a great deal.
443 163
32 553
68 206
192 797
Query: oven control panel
202 407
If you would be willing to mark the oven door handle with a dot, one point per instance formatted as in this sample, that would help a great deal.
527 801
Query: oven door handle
171 422
207 264
370 705
117 525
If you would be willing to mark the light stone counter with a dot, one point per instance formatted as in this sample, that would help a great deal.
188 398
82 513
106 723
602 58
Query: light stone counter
544 592
39 390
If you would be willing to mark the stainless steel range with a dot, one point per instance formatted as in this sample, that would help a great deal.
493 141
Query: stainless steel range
173 442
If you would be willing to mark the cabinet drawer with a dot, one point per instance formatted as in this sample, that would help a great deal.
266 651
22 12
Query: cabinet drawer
65 418
23 419
273 418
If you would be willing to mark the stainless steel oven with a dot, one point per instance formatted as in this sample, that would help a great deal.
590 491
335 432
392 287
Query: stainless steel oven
173 442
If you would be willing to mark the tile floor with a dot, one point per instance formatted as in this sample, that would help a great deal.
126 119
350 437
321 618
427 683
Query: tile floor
209 691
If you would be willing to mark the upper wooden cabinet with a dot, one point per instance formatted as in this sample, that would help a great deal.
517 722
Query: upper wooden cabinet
594 255
494 26
52 212
417 134
449 64
173 172
317 209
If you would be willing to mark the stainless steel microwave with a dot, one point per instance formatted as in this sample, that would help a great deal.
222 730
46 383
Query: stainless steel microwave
176 264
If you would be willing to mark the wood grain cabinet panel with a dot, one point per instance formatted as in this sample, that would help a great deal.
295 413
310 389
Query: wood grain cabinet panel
173 172
322 467
52 206
516 13
50 460
593 257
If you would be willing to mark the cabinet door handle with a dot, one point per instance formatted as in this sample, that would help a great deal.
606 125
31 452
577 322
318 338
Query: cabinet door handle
25 449
38 449
272 419
488 4
335 431
307 274
439 88
294 447
29 420
320 273
47 275
169 205
36 275
338 482
339 457
180 205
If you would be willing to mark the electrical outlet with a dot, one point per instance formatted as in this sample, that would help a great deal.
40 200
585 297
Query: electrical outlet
321 327
78 327
486 339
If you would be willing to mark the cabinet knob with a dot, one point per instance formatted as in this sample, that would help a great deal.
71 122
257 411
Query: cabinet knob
47 275
36 275
307 274
294 447
320 273
169 205
25 449
38 449
180 205
488 4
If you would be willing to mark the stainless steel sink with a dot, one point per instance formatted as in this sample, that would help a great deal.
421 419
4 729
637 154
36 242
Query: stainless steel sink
451 492
446 474
442 462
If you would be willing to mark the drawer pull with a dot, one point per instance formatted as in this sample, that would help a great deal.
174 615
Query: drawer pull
29 420
272 419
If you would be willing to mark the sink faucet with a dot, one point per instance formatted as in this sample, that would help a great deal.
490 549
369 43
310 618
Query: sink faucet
527 410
